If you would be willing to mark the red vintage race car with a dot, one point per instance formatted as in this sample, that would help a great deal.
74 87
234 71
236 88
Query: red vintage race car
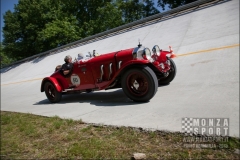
138 71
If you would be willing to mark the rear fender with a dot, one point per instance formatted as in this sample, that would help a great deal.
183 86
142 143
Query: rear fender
53 81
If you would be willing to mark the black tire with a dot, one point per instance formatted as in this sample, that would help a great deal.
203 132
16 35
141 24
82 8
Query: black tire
144 78
171 76
51 92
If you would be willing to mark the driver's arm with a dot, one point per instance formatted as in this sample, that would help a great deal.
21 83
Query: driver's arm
66 72
66 69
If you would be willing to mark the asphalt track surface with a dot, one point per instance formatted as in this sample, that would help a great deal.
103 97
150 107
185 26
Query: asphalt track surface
206 85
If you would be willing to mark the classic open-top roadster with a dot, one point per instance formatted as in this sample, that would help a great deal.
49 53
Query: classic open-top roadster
138 71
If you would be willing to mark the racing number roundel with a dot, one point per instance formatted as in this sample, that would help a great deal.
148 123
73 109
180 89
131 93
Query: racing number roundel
75 80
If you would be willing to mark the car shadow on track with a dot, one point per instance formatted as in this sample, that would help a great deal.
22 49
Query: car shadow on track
101 98
163 85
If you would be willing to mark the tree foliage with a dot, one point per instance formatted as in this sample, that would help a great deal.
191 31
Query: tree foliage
173 3
36 26
4 59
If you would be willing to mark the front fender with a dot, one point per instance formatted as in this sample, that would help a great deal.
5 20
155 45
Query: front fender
53 81
124 67
131 63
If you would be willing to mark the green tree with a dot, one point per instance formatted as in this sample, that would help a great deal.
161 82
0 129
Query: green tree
4 59
12 34
173 3
149 8
36 26
58 33
109 16
86 13
132 10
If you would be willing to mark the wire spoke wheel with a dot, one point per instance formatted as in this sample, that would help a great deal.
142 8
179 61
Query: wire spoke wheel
51 92
139 84
171 75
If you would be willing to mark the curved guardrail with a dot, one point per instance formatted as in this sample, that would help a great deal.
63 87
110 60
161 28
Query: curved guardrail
151 19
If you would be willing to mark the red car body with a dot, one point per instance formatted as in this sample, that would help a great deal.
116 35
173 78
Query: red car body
107 70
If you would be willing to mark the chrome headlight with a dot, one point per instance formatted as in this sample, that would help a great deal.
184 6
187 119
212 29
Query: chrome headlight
137 52
156 50
142 53
147 54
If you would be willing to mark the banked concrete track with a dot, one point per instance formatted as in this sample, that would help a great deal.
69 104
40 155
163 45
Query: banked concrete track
206 85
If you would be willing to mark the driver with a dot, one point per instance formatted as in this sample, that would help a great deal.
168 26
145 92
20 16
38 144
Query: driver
67 67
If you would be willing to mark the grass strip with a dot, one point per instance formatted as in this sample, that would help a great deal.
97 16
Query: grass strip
26 136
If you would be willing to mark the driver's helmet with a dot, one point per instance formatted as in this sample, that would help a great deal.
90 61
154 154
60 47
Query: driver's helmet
67 58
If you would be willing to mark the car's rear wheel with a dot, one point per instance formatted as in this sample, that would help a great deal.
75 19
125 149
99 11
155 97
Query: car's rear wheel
171 74
139 84
51 92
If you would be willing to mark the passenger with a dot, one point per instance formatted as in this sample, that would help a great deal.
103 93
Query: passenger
79 56
67 67
95 54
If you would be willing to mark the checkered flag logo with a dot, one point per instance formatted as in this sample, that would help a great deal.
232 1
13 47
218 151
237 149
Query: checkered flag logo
187 126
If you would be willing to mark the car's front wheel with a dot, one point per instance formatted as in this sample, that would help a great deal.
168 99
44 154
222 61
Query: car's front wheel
51 92
171 75
139 84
